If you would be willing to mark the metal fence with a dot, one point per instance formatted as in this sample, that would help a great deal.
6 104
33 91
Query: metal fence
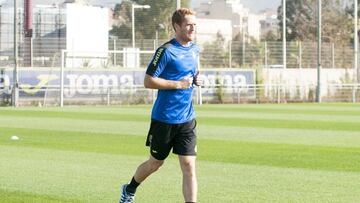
46 52
280 93
47 48
49 32
49 39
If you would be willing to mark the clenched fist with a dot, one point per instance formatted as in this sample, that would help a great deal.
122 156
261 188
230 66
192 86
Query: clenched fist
198 79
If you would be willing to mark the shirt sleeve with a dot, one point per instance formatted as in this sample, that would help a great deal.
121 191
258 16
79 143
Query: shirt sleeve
158 63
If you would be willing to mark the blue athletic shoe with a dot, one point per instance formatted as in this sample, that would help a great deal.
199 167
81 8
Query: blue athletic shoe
126 197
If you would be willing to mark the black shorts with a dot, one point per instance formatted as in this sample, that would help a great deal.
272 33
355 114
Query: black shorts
163 137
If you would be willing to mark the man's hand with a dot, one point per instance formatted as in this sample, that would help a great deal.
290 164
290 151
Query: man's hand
198 80
185 83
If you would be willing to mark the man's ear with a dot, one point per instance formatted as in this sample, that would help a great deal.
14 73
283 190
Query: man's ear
176 26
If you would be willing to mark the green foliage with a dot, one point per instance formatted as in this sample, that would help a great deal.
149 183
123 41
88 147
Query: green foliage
257 53
254 52
147 21
219 89
312 94
301 21
348 78
5 99
122 31
259 80
215 54
270 37
350 9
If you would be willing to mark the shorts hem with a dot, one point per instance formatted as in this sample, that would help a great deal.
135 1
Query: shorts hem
185 154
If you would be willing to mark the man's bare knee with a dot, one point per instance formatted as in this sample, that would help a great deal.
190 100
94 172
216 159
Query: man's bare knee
154 164
188 167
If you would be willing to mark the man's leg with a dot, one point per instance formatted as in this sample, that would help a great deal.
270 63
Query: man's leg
147 168
187 164
142 172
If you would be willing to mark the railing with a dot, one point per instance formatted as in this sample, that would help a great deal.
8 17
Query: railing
46 52
50 95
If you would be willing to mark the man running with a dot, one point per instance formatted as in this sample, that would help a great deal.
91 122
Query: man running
173 71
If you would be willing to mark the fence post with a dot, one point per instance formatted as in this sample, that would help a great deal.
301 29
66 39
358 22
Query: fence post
238 93
62 78
300 55
333 54
200 101
243 51
257 93
278 93
114 52
0 25
108 95
31 51
199 95
353 93
230 53
266 54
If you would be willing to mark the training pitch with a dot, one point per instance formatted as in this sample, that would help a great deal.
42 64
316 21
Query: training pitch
246 153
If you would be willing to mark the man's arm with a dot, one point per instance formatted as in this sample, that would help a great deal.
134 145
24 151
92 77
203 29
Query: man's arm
159 83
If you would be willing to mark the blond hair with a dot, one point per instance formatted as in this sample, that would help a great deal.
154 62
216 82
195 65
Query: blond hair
179 16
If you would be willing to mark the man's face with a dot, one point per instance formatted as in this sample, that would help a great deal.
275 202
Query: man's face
186 31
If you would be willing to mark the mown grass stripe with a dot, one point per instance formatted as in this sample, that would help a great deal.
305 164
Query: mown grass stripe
215 121
240 152
76 115
280 116
19 196
103 173
279 135
75 141
106 113
281 155
280 123
309 109
275 135
131 116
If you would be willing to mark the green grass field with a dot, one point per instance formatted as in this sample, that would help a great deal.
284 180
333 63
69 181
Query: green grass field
246 153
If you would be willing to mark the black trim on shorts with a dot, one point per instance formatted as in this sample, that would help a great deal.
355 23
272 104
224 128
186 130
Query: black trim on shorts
163 137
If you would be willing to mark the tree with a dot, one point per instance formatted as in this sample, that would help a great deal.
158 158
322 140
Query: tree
337 26
122 12
158 17
301 21
270 36
350 12
215 54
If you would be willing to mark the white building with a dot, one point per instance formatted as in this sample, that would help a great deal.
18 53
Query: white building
241 18
86 34
56 27
207 30
270 23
